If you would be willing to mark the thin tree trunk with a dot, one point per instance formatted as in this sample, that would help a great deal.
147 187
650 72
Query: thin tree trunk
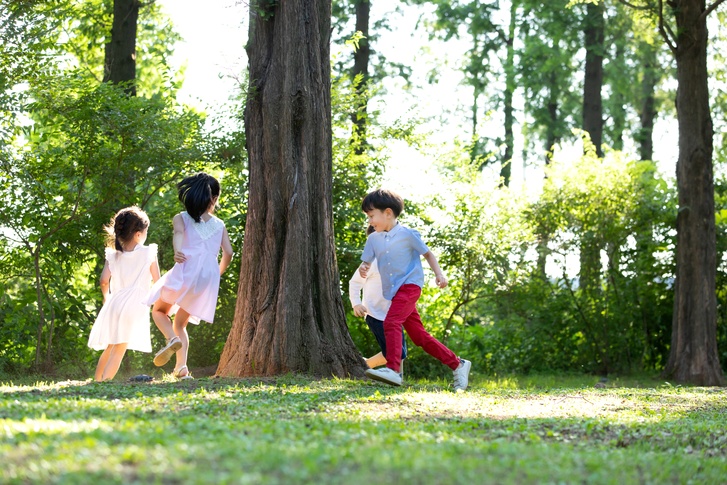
510 87
120 51
693 356
361 60
647 113
39 300
593 81
551 136
289 315
618 105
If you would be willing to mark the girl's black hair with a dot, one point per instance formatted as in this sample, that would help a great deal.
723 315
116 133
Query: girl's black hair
383 199
124 225
196 193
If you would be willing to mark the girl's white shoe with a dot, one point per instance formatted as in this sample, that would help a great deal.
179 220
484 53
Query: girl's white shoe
182 373
163 356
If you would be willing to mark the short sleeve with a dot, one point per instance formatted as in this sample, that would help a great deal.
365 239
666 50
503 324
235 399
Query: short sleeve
151 253
368 252
417 243
110 253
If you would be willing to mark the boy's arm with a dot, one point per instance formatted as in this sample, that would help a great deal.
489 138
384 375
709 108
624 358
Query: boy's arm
439 276
367 256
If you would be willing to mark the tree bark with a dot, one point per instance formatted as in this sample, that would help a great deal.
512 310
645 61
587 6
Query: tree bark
593 80
289 315
647 113
120 51
510 87
693 356
361 68
551 131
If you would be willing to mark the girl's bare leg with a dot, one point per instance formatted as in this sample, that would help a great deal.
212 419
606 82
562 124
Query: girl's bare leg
98 376
160 314
180 328
116 353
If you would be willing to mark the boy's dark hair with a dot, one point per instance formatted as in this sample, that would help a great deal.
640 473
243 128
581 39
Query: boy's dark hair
383 199
124 225
196 193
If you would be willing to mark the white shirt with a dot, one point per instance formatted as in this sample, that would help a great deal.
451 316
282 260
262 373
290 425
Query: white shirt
373 297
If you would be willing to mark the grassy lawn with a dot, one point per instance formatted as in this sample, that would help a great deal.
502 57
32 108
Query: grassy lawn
292 429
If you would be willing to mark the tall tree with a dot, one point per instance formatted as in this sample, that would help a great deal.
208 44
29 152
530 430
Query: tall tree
508 96
360 74
289 316
120 59
693 356
594 30
648 108
549 41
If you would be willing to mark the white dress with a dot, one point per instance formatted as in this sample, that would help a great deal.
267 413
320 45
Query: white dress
124 318
194 285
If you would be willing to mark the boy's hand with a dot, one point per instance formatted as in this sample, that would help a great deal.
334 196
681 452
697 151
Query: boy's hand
363 270
360 311
179 257
441 280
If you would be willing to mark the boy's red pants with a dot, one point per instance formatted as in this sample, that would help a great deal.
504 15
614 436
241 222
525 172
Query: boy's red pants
403 312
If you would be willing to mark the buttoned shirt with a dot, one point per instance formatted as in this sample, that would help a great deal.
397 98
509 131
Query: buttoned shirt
398 253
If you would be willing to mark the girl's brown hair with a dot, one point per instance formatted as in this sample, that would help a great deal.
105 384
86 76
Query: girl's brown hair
124 225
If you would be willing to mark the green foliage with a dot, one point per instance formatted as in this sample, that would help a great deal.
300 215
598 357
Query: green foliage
510 430
89 151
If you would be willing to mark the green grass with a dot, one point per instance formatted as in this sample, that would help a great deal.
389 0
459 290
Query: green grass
543 429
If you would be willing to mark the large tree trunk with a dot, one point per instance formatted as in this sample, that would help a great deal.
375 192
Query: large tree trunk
361 69
289 315
120 53
593 80
693 355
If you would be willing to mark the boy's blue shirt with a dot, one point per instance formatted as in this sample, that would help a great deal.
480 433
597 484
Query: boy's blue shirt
398 253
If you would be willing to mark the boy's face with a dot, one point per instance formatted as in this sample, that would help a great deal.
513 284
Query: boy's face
381 220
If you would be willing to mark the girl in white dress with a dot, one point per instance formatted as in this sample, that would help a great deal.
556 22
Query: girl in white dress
130 267
190 288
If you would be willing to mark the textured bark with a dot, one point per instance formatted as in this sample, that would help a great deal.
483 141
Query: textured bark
289 315
361 67
120 52
693 356
593 80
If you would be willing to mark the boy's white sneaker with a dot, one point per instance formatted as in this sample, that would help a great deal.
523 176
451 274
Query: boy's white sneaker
462 375
385 375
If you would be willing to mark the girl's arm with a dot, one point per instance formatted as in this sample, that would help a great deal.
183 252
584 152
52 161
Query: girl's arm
154 268
105 280
439 276
178 239
226 251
